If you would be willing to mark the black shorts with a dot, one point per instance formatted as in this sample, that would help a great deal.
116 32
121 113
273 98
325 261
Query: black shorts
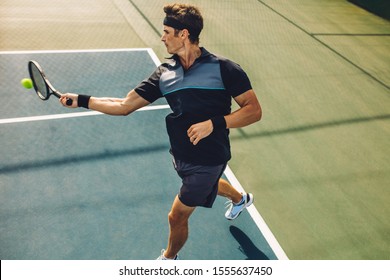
200 183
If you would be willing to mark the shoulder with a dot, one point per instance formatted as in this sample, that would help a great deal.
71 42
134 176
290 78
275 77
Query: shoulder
235 79
170 64
227 65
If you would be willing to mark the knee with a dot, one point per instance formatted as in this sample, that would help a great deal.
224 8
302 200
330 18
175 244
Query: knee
173 218
177 219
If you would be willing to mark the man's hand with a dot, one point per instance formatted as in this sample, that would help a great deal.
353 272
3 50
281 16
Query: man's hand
199 131
72 96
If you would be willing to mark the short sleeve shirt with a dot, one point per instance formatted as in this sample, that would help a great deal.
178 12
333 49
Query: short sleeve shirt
197 94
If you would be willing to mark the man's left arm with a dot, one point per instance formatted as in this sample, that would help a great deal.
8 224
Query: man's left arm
248 113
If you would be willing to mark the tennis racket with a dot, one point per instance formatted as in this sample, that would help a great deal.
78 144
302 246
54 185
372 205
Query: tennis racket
41 84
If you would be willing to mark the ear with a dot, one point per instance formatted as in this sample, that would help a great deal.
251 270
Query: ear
184 33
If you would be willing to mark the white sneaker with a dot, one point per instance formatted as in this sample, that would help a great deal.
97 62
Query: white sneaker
235 209
163 258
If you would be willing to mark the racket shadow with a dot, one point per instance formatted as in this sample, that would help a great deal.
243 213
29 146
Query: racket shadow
247 247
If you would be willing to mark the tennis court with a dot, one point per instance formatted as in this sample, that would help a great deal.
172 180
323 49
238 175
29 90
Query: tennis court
87 186
317 163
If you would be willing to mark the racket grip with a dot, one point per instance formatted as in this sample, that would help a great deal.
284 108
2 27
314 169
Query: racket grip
69 101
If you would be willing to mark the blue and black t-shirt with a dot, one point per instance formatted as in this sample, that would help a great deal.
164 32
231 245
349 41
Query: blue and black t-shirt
203 91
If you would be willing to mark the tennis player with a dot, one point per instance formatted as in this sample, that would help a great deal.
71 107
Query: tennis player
199 87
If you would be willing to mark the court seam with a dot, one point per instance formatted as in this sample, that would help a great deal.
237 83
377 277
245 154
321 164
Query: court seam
325 45
352 34
145 18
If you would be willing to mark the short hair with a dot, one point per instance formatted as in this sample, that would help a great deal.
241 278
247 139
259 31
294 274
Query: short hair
189 16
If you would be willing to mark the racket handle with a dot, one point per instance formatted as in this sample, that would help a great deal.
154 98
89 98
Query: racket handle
69 101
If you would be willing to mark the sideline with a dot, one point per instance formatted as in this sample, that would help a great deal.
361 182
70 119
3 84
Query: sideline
254 213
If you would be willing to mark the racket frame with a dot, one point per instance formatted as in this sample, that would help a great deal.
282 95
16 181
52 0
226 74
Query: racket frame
49 87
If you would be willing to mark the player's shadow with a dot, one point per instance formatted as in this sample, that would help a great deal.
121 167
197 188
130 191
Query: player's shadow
247 247
79 158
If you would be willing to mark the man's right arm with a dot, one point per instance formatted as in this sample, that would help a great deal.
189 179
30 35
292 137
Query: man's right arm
110 106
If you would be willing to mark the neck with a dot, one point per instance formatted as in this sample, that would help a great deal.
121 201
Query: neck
189 54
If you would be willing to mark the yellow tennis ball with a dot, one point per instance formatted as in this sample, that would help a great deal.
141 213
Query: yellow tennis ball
27 83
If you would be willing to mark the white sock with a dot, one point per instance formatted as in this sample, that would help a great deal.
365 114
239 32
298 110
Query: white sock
241 201
168 259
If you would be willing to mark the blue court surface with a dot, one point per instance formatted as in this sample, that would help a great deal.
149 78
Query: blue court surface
79 185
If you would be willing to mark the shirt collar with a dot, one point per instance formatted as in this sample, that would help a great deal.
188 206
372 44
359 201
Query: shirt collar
204 53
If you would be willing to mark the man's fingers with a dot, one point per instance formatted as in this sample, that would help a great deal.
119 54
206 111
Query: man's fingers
196 141
191 131
199 131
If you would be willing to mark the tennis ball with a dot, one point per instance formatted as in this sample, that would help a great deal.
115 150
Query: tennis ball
27 83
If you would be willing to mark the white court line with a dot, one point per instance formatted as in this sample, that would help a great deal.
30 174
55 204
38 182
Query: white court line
71 115
258 219
151 53
154 57
254 213
78 51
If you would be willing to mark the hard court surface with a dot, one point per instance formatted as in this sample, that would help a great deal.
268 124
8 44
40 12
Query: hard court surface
94 186
317 163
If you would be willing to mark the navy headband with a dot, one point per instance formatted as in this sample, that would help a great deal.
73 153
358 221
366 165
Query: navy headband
174 23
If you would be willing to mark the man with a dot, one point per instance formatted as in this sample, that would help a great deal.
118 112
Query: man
198 87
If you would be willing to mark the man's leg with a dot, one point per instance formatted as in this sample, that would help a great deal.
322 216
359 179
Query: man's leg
238 201
227 190
178 227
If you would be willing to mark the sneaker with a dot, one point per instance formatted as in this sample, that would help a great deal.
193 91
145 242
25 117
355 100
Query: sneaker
235 209
163 258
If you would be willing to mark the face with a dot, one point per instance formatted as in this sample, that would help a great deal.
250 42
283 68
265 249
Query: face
173 43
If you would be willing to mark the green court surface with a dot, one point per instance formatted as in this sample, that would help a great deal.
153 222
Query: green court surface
317 163
94 186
